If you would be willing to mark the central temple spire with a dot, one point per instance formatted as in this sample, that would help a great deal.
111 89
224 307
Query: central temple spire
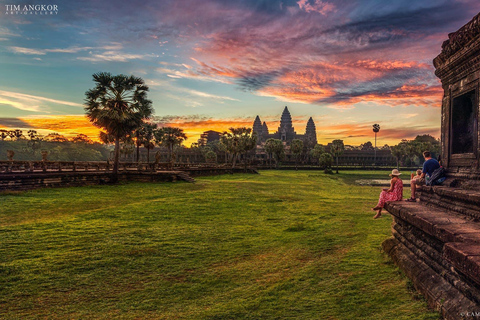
285 130
286 120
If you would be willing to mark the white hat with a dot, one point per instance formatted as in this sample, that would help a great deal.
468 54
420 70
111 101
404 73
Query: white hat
395 172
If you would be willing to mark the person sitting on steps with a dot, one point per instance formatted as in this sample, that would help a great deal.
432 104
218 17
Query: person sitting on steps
429 166
394 193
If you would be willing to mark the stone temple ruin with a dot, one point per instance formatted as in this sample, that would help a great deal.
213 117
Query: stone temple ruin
437 241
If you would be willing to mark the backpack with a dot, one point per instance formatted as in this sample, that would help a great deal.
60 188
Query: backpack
437 177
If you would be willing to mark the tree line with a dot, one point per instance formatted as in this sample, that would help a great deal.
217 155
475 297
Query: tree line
118 105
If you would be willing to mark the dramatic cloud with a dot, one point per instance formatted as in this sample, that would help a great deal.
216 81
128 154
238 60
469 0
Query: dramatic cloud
115 56
30 102
65 125
317 6
334 57
13 123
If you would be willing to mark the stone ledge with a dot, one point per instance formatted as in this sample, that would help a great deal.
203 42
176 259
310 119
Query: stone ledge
440 224
465 257
466 209
470 196
439 293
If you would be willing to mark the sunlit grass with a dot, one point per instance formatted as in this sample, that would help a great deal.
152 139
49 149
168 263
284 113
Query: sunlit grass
279 245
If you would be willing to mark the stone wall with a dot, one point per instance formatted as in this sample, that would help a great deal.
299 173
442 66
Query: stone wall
437 243
26 181
458 67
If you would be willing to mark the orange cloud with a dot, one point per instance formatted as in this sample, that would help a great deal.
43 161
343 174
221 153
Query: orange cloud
67 125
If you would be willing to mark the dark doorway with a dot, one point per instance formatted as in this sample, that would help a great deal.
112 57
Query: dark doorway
463 123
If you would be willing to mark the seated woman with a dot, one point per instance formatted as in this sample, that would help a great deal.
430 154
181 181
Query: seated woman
394 193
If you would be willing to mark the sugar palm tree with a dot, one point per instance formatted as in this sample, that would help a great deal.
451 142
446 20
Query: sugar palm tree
337 149
376 129
144 135
119 105
296 148
239 140
170 137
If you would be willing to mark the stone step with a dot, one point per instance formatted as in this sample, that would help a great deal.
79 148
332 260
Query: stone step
469 196
465 257
185 177
464 202
437 222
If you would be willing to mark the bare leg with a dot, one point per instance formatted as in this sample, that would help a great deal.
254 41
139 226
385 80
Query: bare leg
413 187
379 214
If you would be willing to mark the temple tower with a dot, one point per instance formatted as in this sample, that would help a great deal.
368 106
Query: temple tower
286 131
264 131
311 133
257 126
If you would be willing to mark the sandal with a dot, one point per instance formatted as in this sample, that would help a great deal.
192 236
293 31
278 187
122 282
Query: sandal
411 200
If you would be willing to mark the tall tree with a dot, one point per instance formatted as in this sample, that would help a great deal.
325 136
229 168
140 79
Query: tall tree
275 147
296 147
239 140
337 149
170 137
145 135
4 134
317 151
82 138
398 152
15 134
55 137
119 105
376 129
35 140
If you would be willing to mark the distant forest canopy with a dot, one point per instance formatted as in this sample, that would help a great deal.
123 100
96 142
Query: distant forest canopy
29 145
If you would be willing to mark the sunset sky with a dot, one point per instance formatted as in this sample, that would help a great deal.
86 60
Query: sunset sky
215 64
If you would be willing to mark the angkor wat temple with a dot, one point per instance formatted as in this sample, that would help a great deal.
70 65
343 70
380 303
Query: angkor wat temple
285 131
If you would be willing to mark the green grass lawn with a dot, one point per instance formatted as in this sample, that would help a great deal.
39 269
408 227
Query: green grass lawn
278 245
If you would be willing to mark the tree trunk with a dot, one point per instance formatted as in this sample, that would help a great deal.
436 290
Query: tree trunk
245 161
337 163
116 160
148 155
138 153
234 161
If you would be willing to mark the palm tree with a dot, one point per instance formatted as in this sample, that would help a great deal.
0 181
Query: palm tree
170 137
144 135
296 148
398 152
119 105
337 149
239 140
376 128
275 147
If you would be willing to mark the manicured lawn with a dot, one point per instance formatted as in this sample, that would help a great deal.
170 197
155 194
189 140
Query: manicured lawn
279 245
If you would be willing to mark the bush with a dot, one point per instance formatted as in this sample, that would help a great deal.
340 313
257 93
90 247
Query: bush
325 160
328 171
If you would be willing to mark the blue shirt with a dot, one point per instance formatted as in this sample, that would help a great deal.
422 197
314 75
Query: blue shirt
429 166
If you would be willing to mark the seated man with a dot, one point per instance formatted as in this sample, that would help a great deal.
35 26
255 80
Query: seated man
429 166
